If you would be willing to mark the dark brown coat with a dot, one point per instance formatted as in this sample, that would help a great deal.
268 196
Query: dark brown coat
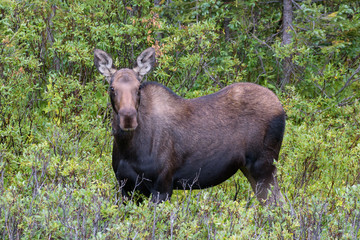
164 142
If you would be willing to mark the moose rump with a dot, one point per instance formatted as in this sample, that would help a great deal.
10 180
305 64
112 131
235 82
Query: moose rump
173 143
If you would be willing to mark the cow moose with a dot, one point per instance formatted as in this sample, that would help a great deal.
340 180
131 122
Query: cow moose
164 142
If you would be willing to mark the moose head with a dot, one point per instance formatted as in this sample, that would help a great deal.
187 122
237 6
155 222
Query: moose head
124 85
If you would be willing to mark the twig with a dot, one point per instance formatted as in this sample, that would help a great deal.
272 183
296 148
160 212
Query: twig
349 82
154 222
262 42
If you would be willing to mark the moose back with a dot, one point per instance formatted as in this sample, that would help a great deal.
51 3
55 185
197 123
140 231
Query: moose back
164 142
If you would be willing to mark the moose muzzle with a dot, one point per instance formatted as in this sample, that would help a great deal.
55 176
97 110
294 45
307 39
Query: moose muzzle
128 119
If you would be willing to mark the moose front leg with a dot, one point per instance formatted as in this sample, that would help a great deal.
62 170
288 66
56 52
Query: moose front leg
163 188
130 181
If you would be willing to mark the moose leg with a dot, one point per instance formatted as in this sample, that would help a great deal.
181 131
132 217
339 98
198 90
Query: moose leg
163 188
130 181
262 177
265 184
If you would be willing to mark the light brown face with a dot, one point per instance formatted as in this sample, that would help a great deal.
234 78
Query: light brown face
123 90
124 85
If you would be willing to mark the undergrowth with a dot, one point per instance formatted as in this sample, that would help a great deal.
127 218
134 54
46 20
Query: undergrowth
61 185
56 179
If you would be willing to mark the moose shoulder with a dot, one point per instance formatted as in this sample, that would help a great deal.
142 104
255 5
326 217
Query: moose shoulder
164 142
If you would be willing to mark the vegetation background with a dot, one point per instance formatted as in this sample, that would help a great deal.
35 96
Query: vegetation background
56 180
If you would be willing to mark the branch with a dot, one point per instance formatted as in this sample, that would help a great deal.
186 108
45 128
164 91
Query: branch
260 41
349 82
262 66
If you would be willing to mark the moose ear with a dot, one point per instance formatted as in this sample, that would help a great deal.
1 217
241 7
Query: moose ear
145 62
104 63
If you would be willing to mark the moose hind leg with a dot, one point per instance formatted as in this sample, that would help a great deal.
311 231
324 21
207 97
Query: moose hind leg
268 185
261 174
261 167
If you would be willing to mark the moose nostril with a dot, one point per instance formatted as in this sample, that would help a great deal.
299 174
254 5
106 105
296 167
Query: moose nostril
127 112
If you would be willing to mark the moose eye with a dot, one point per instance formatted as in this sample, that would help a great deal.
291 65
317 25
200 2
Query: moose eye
111 89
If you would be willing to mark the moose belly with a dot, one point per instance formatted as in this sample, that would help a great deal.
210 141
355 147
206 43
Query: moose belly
207 172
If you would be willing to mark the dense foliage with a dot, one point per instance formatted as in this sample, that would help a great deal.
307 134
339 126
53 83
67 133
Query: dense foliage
56 180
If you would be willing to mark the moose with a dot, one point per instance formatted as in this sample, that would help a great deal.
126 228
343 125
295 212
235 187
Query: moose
164 142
